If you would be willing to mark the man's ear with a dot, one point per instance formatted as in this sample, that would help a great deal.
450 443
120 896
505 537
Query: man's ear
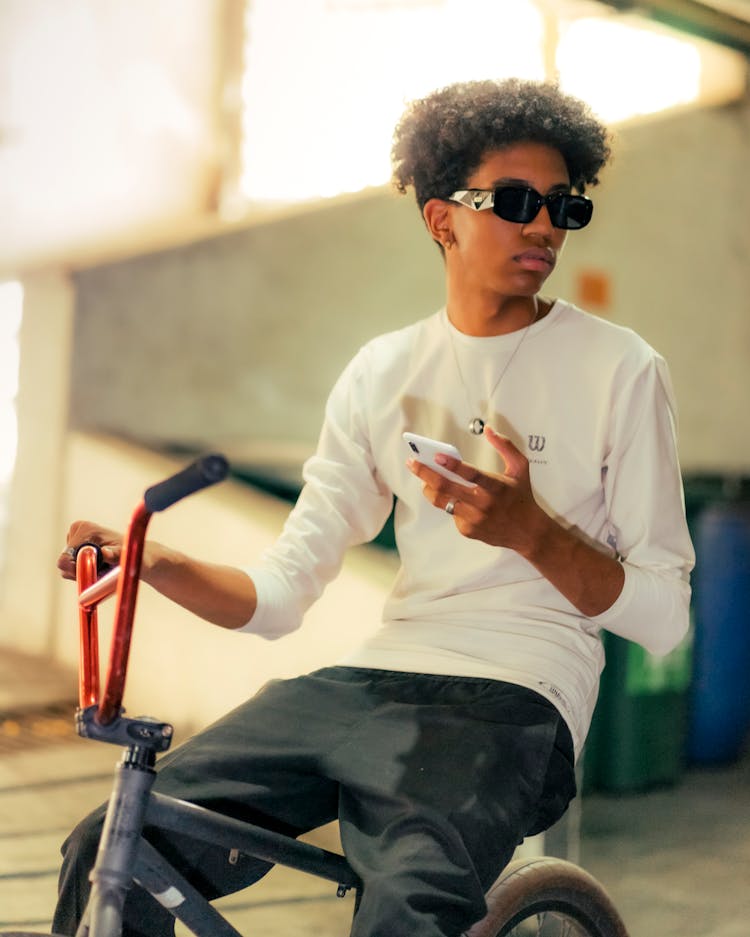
436 214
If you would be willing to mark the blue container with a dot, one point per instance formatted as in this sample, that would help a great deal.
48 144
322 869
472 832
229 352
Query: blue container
719 720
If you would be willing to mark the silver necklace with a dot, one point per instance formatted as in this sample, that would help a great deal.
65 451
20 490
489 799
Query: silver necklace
476 424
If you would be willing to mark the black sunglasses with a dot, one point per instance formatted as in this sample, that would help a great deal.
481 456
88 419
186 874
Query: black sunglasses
522 204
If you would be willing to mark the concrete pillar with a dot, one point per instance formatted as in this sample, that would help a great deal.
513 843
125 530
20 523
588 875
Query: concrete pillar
34 532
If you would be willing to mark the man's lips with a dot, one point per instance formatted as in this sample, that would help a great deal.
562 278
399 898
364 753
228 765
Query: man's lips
536 259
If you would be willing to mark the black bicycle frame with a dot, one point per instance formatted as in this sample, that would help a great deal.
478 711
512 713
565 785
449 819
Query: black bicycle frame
125 856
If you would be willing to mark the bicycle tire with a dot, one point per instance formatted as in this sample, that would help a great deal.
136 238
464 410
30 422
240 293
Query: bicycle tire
547 897
27 933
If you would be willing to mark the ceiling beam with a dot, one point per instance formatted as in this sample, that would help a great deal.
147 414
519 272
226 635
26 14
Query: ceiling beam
691 16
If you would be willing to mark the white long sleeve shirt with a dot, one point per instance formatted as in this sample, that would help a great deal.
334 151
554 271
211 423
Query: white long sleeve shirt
590 405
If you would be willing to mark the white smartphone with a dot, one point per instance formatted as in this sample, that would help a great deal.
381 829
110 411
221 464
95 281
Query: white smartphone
424 450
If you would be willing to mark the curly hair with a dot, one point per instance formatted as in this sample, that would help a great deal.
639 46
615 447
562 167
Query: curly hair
442 138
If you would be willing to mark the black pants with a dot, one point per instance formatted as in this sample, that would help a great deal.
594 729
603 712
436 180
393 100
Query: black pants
434 781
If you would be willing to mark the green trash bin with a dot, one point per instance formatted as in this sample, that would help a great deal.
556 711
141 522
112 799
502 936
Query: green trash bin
637 736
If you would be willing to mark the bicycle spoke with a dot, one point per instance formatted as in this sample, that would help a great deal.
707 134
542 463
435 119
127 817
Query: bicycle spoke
548 924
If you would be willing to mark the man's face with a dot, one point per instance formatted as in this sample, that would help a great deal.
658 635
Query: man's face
505 257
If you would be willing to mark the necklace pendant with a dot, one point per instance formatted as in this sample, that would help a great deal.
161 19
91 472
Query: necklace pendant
476 426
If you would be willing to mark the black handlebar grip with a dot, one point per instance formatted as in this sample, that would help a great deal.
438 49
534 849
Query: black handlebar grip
101 566
205 471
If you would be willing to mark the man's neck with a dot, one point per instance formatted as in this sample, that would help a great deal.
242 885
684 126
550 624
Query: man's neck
488 316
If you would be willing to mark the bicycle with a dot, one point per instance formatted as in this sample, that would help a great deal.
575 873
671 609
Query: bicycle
539 896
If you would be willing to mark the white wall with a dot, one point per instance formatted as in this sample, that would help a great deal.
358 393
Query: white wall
671 233
111 122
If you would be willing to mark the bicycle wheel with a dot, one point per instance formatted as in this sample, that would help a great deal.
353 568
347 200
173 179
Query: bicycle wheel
546 897
26 933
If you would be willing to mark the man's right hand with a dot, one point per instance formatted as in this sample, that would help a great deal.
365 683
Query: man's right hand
109 541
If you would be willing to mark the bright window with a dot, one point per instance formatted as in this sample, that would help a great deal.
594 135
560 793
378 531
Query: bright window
326 80
624 71
11 306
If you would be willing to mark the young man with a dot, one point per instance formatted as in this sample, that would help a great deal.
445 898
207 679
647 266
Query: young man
451 734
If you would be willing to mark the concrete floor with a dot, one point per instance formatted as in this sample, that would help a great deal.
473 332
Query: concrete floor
675 861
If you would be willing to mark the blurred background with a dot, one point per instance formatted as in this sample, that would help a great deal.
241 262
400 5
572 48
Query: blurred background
197 232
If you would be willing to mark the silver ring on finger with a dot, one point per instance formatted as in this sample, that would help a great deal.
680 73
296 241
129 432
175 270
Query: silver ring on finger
450 507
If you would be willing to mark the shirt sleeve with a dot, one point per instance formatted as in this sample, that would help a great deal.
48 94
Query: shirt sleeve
646 511
343 503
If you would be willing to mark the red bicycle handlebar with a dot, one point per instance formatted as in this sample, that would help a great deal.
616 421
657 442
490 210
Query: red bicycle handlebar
124 581
127 589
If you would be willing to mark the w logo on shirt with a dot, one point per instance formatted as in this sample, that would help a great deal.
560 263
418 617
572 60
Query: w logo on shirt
536 443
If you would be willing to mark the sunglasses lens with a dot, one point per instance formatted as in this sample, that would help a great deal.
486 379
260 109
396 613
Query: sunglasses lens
570 211
521 205
516 203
